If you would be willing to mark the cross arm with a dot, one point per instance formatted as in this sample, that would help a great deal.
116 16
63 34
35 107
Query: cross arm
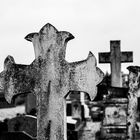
84 76
126 57
16 79
104 57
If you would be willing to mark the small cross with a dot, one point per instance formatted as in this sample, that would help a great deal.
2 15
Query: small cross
115 57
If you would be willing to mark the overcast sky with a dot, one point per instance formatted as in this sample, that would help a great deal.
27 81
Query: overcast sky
93 23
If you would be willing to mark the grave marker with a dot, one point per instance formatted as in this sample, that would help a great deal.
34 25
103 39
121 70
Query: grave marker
115 57
50 77
133 94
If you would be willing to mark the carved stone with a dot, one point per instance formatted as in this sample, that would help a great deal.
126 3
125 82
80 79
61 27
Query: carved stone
115 57
50 77
134 93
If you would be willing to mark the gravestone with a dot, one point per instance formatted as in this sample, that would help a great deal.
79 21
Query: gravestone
50 77
133 94
114 125
26 123
115 57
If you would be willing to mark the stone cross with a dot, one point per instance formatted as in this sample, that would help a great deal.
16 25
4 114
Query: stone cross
50 77
115 57
133 94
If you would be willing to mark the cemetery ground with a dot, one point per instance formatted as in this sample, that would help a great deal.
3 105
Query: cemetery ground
69 101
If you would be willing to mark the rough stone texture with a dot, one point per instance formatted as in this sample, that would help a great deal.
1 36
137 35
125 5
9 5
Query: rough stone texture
50 77
114 124
134 93
17 79
24 123
115 57
115 115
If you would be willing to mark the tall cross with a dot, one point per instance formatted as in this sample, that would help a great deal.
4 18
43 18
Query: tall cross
50 77
115 57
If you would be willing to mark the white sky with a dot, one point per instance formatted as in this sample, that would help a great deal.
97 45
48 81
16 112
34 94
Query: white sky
93 23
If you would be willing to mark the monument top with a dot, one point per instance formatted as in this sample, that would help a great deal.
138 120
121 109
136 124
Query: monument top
51 77
49 35
115 57
134 69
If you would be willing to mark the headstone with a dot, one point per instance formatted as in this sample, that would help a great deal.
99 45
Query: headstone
133 94
26 123
115 57
50 77
115 106
115 119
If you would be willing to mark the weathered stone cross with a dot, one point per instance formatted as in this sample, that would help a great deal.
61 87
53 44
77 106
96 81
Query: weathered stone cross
50 77
115 57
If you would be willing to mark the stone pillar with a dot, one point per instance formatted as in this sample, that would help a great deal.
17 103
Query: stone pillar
133 94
